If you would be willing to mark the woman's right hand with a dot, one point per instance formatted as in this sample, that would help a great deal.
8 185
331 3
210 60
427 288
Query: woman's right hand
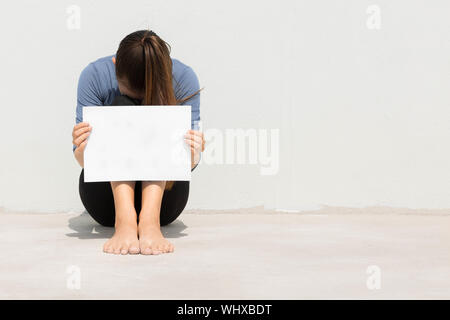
80 133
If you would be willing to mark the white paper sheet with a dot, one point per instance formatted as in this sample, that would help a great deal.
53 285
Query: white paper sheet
137 143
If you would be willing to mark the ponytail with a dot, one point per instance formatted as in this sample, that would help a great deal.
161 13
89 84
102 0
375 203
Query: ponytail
148 73
143 61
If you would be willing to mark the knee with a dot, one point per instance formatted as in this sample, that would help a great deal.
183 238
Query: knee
174 201
164 221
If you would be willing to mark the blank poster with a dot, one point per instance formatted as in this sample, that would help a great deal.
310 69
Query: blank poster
137 143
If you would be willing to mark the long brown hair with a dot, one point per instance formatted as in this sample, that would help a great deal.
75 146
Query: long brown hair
143 61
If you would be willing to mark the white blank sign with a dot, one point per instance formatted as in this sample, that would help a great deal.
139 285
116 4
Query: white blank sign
137 143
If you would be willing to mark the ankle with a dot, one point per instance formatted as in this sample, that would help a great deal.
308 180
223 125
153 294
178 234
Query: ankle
126 221
149 222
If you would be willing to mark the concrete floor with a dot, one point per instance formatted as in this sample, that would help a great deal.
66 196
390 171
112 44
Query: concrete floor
317 255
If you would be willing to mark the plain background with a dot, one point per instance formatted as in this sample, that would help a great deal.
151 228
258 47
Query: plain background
363 114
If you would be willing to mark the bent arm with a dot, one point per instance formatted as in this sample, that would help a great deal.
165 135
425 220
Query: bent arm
87 95
187 86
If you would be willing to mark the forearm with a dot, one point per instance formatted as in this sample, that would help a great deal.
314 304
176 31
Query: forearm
79 156
195 161
193 166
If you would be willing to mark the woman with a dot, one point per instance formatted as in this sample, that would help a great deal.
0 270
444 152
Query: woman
141 72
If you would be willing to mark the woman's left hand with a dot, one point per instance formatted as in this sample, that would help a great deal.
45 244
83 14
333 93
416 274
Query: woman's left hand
196 141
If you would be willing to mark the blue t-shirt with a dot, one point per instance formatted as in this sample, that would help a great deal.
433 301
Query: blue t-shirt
98 86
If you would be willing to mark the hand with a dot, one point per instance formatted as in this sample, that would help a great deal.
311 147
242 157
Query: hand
196 141
80 134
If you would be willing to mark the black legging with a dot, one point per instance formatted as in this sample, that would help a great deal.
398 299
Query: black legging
98 199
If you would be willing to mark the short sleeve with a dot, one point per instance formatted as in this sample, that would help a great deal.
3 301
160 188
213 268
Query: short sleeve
187 85
87 92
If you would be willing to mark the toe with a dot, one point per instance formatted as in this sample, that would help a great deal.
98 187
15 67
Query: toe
107 249
134 249
106 246
125 248
146 250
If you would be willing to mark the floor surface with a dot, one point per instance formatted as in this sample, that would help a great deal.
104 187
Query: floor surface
324 255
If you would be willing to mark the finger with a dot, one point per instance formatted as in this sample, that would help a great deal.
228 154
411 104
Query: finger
197 138
82 145
189 142
81 138
80 125
195 133
193 143
79 132
194 152
197 145
188 135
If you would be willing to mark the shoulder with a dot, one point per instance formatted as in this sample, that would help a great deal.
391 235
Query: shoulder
98 78
183 74
99 68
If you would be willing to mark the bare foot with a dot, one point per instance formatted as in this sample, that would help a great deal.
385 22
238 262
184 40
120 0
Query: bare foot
125 238
151 240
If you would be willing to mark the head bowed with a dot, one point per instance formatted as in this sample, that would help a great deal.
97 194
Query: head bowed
147 36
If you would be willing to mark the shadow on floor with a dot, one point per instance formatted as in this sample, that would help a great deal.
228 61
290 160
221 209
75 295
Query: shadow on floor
86 228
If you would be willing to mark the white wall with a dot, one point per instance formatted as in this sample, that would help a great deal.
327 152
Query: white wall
363 114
